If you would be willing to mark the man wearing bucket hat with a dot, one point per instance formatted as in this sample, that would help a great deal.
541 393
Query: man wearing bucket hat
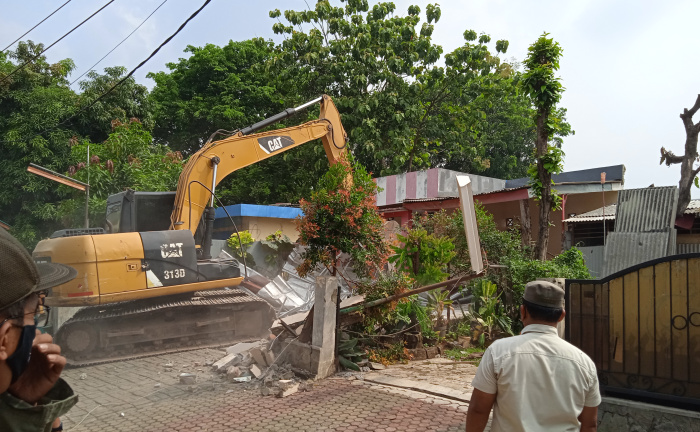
536 381
32 394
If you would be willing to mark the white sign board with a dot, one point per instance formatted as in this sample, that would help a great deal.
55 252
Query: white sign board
466 203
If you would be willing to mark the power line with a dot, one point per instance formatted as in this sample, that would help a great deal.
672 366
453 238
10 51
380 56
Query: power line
27 32
19 68
165 42
117 46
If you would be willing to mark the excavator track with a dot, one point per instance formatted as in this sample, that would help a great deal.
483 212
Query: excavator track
141 328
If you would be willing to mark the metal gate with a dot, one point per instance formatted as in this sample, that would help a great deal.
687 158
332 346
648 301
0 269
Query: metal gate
641 327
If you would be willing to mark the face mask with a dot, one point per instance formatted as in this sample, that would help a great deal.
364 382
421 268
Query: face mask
19 360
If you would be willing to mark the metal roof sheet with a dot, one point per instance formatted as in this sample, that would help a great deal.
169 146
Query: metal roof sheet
613 174
610 210
414 200
598 214
646 210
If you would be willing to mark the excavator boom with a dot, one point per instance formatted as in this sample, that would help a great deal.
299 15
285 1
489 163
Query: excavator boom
206 168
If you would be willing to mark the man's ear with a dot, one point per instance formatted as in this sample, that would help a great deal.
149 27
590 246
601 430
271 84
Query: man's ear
563 314
523 313
7 342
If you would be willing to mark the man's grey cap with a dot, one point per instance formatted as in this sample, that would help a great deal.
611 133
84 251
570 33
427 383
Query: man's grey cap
21 276
545 294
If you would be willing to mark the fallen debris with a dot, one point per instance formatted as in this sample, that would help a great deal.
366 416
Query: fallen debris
187 378
376 366
241 347
255 371
286 388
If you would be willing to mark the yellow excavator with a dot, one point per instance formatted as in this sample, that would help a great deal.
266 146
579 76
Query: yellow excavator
150 285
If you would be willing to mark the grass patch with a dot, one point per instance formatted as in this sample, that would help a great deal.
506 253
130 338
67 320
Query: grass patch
462 354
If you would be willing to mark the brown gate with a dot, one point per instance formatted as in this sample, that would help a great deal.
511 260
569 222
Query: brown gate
641 327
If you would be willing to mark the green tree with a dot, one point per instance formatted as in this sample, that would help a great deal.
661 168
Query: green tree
129 100
228 88
126 159
401 110
214 88
33 100
340 216
545 90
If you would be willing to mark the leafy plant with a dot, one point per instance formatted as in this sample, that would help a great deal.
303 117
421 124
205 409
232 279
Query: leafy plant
489 313
349 355
238 242
411 310
390 354
341 216
439 302
280 244
423 256
385 285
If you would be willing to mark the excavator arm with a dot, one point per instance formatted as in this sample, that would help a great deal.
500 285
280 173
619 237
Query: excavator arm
206 168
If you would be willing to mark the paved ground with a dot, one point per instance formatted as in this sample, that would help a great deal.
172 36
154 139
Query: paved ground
144 395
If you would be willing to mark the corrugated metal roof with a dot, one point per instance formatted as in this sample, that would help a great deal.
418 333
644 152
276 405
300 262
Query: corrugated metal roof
626 249
508 189
684 248
595 215
646 210
644 227
693 207
414 200
613 174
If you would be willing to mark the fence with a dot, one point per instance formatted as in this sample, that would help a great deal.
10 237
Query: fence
641 327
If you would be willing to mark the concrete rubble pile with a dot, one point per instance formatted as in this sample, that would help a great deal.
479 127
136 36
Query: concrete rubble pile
256 362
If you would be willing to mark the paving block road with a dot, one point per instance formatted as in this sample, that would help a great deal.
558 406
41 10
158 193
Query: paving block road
145 395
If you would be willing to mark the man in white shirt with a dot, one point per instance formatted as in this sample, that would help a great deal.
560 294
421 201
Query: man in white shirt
536 381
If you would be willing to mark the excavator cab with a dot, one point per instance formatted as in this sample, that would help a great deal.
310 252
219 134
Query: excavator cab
132 211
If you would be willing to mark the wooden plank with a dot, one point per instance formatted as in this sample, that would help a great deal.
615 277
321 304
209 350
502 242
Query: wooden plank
662 307
694 328
646 321
679 307
616 325
575 321
606 344
588 340
631 311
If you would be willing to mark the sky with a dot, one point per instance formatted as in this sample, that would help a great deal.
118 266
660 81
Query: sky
629 67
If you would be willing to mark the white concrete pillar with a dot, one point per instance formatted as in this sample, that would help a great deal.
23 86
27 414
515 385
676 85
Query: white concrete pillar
323 335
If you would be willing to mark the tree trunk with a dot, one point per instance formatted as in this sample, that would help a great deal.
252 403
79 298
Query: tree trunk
688 174
545 178
525 222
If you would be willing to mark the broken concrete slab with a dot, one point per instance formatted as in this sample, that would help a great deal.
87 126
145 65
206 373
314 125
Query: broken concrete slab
241 347
223 364
255 371
258 357
269 357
